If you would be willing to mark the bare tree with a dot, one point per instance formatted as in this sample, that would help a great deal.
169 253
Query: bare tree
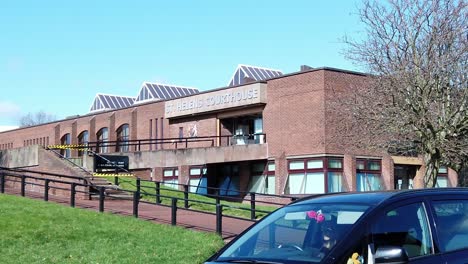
417 102
37 118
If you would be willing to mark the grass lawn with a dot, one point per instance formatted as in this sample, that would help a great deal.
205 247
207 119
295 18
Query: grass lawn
33 231
231 208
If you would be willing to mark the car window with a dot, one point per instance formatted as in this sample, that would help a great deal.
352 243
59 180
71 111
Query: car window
451 218
406 227
299 233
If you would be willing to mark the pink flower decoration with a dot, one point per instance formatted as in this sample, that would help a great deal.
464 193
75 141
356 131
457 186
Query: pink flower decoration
312 214
320 218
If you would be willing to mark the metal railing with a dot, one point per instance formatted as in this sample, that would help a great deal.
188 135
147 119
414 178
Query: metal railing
177 143
21 177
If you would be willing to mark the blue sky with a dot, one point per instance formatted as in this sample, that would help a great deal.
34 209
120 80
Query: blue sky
56 55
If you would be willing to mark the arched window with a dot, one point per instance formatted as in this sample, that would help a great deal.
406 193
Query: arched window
102 138
83 139
123 135
65 140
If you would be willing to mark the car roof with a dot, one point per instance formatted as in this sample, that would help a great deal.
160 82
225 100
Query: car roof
374 198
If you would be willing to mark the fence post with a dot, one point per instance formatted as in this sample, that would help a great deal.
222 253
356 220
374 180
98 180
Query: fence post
72 194
116 180
219 218
186 196
101 199
252 206
138 184
136 201
174 211
46 190
2 183
158 192
23 185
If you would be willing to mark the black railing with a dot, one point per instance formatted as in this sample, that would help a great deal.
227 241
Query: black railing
249 198
8 176
171 143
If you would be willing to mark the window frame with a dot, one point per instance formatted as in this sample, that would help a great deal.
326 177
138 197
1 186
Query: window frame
325 170
427 206
123 136
367 170
102 143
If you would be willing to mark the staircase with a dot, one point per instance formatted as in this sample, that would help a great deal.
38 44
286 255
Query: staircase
111 191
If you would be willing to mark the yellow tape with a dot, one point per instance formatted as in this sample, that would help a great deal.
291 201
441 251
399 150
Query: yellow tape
69 146
113 174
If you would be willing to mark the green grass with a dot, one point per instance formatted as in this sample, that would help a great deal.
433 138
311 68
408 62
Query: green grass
33 231
230 208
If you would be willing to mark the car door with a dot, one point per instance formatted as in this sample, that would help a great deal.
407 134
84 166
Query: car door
403 227
451 222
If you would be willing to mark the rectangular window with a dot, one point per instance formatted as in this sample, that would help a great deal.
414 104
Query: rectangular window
263 178
335 164
450 217
442 170
406 227
315 164
162 131
151 133
181 133
368 175
171 177
315 175
156 132
197 180
296 165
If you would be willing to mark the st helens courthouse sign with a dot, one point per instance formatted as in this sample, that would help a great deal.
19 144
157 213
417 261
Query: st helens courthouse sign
222 99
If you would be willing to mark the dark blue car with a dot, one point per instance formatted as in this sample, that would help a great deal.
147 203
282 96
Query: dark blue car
414 226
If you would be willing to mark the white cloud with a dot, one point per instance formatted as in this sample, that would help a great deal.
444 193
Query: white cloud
5 128
8 109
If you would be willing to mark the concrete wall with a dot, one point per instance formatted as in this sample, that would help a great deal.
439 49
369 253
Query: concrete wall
20 157
197 156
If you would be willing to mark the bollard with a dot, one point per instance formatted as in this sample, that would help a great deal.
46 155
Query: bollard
138 185
219 218
174 211
252 206
23 185
116 181
158 192
186 206
136 201
2 183
101 199
72 194
46 190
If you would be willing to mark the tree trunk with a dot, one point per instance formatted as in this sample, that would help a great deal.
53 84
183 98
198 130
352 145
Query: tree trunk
432 164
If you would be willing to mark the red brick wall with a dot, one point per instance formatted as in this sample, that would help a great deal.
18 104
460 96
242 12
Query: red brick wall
294 116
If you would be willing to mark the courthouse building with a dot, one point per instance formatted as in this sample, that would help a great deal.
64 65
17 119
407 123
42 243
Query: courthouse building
267 132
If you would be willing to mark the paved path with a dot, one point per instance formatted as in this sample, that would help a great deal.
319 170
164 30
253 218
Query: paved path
154 213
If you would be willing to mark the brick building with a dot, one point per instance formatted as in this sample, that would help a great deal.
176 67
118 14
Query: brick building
266 132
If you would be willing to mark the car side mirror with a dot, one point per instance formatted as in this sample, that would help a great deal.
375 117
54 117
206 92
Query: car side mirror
391 254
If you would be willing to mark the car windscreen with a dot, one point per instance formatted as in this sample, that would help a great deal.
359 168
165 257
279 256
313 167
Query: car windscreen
302 233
